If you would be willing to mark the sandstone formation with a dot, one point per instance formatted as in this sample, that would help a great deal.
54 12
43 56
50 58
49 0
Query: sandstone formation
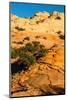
46 76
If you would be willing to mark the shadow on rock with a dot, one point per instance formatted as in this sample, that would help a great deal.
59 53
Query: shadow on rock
17 67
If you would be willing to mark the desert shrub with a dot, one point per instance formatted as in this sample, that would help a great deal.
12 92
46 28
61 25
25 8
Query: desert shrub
14 42
35 43
31 17
27 59
37 22
58 17
37 36
40 21
44 38
36 46
41 46
35 15
13 53
51 14
20 42
30 53
61 36
27 38
19 29
42 53
58 32
29 47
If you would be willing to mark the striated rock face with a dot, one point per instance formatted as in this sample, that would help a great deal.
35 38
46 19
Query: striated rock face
46 76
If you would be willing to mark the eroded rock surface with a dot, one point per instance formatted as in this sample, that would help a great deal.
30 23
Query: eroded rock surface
46 76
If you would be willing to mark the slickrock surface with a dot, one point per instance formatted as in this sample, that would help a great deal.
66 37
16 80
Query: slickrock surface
46 76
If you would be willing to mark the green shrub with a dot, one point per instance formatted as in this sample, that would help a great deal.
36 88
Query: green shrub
42 53
29 47
13 53
29 54
35 43
27 59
